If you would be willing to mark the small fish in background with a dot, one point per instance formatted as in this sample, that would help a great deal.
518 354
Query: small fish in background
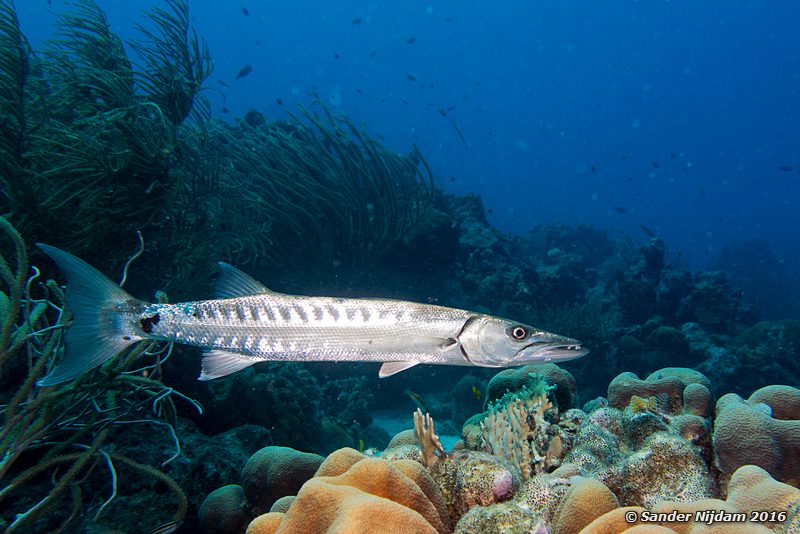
651 234
223 109
458 131
418 400
476 393
279 101
223 83
594 169
245 11
356 21
656 165
620 209
411 77
244 71
786 168
411 40
336 55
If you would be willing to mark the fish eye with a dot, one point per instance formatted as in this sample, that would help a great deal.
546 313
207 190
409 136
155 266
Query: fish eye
519 332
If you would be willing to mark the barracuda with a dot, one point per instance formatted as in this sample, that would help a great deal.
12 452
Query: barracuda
248 324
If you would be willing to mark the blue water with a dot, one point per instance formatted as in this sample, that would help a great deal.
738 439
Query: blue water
681 116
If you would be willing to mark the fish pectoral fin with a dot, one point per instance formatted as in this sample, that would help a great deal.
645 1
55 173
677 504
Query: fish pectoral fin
235 283
219 363
392 368
427 343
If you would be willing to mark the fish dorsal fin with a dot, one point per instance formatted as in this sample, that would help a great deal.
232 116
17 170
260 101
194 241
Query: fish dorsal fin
235 283
219 363
392 368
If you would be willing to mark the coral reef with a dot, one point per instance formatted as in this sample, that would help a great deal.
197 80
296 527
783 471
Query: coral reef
223 510
469 478
564 392
426 436
353 493
274 472
515 430
763 430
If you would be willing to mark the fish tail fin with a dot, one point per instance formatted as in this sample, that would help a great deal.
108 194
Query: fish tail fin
91 339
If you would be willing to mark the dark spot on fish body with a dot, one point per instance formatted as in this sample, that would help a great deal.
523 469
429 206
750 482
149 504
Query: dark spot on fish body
301 313
241 312
318 313
286 313
147 323
351 313
333 311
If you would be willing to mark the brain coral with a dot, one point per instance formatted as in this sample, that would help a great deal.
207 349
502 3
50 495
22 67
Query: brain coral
586 500
274 472
753 489
667 467
745 432
668 386
223 511
513 379
369 496
469 478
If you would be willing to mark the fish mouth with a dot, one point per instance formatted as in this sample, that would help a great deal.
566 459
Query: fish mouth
565 350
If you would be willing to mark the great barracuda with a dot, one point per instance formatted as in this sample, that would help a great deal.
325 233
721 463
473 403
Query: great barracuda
248 324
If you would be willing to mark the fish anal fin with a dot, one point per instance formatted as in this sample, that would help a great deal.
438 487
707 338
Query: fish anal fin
392 368
219 363
233 282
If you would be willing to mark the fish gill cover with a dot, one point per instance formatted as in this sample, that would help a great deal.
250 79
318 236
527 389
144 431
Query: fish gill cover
103 137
